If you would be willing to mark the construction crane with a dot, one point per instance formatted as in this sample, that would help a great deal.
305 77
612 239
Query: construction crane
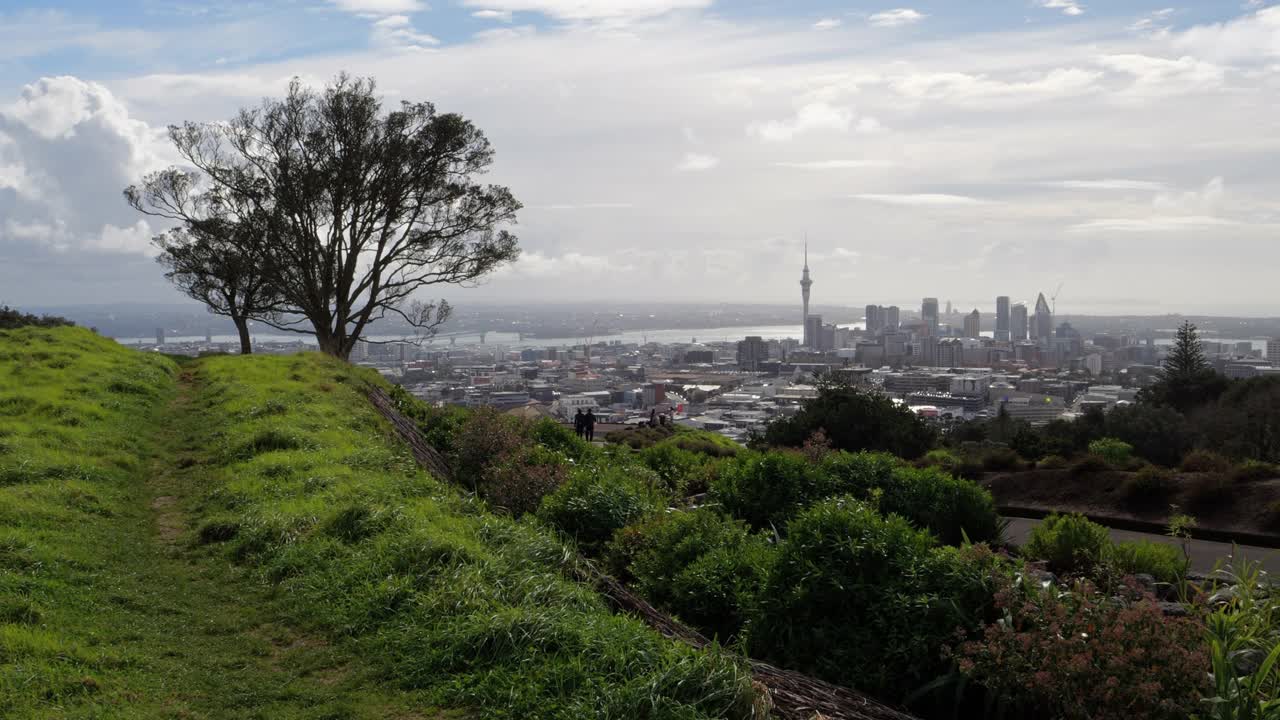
1054 300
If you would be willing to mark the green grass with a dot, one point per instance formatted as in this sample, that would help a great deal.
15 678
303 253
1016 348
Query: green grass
243 538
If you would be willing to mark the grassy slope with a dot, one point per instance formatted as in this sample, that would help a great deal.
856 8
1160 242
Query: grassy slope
242 539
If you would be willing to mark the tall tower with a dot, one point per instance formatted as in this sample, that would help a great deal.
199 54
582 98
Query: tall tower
1002 333
805 284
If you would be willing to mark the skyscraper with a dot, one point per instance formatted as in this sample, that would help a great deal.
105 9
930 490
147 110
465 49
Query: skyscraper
973 324
813 332
805 284
929 314
875 319
891 315
1018 322
1044 319
1002 319
159 336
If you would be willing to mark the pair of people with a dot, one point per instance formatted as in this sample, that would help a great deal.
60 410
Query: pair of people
585 424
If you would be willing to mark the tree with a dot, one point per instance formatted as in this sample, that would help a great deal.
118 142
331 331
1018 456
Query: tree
854 419
366 207
1186 381
217 255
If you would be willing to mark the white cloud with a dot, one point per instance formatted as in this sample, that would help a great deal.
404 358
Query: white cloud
834 164
586 206
1173 224
1165 74
963 87
816 116
499 15
694 162
827 24
572 266
1155 21
380 7
921 199
70 147
1068 7
614 10
896 18
1110 184
397 31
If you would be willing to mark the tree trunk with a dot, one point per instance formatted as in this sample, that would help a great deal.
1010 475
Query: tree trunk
242 327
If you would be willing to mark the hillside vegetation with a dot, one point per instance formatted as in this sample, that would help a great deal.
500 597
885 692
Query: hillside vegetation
241 537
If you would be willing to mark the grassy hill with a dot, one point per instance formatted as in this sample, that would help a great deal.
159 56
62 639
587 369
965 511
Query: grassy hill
243 537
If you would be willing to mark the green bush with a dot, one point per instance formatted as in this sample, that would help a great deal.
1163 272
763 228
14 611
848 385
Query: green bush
1001 460
1208 491
1117 453
1204 461
521 478
952 508
1052 462
1254 471
1090 464
555 436
1162 561
942 459
1069 543
1148 488
854 419
703 566
865 600
765 488
597 501
677 467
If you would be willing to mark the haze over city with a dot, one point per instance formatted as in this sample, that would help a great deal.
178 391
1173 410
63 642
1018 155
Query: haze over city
682 149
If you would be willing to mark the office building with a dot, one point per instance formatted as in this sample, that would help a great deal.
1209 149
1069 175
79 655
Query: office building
929 316
1044 320
874 319
891 319
1002 333
813 332
1018 323
973 324
1273 351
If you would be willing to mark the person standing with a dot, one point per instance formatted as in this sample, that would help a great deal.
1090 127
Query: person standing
589 424
579 423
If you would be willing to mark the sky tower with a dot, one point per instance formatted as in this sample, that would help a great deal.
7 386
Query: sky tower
805 284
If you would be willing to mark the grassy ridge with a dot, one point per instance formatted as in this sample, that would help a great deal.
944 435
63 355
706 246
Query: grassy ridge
75 421
304 485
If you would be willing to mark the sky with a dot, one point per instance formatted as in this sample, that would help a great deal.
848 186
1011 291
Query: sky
677 150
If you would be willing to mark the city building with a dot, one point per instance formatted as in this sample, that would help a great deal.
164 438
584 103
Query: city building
891 318
159 336
1002 333
929 315
973 324
1273 351
813 332
805 284
752 352
1043 321
874 319
1018 323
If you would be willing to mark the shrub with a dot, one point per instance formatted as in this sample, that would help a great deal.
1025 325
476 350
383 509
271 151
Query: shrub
1117 453
484 439
1208 492
675 466
703 566
765 488
1205 461
1080 656
865 600
1070 543
1001 460
597 501
854 419
1089 464
942 459
1148 488
641 436
555 436
520 479
1254 471
950 507
1051 462
1162 561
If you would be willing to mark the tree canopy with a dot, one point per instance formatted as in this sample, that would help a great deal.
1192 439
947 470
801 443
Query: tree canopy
1187 381
350 210
854 419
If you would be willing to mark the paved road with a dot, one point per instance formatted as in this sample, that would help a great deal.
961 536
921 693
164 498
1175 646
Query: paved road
1204 553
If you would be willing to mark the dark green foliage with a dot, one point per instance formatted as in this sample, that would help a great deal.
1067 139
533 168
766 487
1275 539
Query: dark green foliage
853 420
12 319
864 600
555 436
1001 460
598 500
705 567
1117 453
1208 491
683 472
1245 422
1069 543
1148 489
216 531
1187 381
1052 462
1254 471
1162 561
641 436
765 488
1205 461
952 508
1090 464
1159 434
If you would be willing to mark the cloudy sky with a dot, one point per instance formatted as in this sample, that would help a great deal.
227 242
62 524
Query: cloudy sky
682 149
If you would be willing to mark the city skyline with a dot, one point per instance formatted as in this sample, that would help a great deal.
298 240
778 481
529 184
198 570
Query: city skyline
1115 148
